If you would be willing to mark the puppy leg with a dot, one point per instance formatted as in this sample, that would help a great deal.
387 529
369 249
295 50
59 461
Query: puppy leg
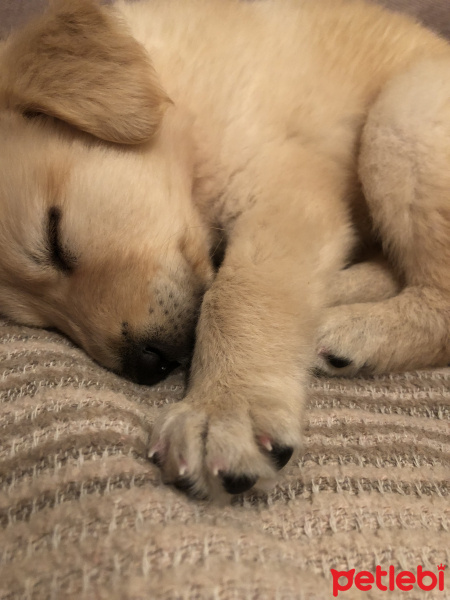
241 419
368 281
405 171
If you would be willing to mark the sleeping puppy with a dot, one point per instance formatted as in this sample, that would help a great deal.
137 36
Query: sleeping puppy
140 141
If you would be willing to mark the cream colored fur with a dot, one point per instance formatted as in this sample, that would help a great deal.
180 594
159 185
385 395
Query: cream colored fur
304 132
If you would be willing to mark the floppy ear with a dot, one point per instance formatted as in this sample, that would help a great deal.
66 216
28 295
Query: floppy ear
78 63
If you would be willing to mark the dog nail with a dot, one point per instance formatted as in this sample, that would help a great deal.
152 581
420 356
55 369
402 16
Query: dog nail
155 458
183 468
217 468
265 442
157 452
238 484
337 361
281 455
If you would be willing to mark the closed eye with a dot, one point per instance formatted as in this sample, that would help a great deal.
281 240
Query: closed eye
60 257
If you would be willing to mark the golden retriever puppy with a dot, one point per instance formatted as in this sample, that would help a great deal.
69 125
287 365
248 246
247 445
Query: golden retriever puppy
140 140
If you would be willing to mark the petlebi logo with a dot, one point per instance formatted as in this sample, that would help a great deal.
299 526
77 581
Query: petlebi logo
389 580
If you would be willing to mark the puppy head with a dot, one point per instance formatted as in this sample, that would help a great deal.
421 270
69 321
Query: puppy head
98 239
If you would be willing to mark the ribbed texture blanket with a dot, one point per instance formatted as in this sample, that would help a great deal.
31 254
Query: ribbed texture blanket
83 514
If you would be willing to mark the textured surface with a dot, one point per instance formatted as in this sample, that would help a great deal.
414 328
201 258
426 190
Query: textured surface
83 515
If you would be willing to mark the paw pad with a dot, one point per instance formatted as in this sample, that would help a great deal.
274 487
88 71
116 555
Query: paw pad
338 362
281 455
237 484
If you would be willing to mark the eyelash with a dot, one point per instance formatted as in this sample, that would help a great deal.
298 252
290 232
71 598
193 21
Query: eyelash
60 257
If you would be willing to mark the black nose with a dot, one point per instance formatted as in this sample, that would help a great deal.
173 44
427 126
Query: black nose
149 365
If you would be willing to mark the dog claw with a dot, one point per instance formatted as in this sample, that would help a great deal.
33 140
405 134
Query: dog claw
238 484
265 442
156 459
281 455
183 468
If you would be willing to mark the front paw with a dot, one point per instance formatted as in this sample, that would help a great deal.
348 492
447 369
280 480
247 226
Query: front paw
349 341
210 450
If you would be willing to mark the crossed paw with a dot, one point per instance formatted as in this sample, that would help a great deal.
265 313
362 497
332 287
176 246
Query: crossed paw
351 339
207 450
224 445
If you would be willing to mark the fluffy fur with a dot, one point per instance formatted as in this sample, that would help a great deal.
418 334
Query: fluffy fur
307 135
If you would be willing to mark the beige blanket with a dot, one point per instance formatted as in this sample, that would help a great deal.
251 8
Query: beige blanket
83 514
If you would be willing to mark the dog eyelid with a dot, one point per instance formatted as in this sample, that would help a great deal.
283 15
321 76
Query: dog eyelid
60 257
